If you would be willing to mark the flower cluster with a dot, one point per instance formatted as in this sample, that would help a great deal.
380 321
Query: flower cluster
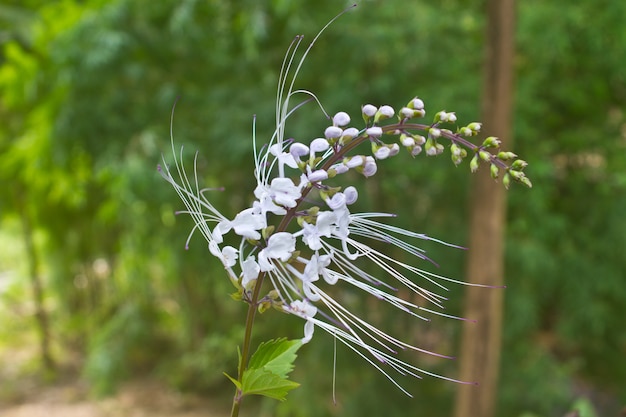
301 235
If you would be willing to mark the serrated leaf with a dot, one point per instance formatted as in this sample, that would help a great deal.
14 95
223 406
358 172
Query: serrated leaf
276 356
268 369
266 383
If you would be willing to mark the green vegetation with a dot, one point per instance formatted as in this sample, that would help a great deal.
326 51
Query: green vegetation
86 91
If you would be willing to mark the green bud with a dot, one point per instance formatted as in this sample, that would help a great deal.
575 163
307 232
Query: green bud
526 182
264 306
491 142
494 171
267 232
506 180
519 165
506 156
484 155
517 175
474 127
474 163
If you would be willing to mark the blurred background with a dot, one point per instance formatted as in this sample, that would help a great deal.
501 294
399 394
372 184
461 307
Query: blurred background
97 289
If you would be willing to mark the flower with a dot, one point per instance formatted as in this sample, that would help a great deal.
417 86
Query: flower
300 228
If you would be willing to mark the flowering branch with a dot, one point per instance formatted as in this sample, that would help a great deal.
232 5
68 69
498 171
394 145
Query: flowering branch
291 250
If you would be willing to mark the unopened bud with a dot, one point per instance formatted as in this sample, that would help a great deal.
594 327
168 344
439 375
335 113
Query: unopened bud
474 163
494 171
416 104
519 165
385 112
491 142
506 156
341 119
484 155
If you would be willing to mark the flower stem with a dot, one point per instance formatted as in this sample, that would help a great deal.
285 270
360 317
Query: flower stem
247 341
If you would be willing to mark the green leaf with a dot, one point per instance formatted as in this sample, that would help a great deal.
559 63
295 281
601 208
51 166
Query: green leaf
268 369
276 356
266 383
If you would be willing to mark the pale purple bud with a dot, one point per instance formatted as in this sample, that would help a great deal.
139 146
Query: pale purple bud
316 176
407 140
451 117
350 132
355 161
419 139
369 110
318 145
351 194
416 150
394 149
407 113
298 149
374 132
434 132
386 111
337 201
382 152
340 168
341 119
370 166
333 132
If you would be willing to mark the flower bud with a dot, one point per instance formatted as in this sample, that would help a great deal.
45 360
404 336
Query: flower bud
474 127
484 155
416 150
368 111
406 140
505 156
355 161
333 132
351 194
465 131
407 113
341 119
419 139
318 145
298 149
474 163
491 142
380 152
385 112
494 171
519 165
370 167
416 104
434 132
374 132
506 181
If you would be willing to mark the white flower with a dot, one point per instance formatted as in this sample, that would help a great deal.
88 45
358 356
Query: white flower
280 246
228 255
312 233
307 311
249 271
284 192
248 222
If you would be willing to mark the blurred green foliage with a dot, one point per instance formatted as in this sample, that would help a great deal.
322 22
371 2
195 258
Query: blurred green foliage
86 90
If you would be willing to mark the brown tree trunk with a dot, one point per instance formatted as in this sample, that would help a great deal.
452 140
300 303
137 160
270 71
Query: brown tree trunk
481 341
41 317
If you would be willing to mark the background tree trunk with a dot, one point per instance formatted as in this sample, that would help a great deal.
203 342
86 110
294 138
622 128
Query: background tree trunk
481 342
